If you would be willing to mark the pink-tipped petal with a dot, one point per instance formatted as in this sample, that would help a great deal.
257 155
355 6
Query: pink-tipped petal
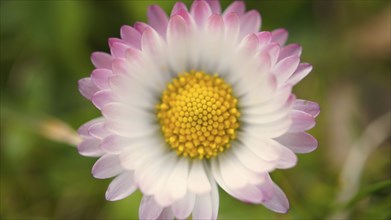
264 38
249 44
308 107
177 29
183 207
150 41
215 24
100 77
237 7
118 49
280 36
121 187
287 159
214 6
302 71
98 131
278 203
285 68
179 6
301 121
167 214
158 19
232 25
273 49
106 167
121 67
141 27
87 88
290 50
90 148
250 22
83 129
102 98
200 10
298 142
149 209
113 40
131 36
101 60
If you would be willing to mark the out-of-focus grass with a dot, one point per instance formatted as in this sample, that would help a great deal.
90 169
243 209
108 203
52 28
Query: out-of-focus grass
45 48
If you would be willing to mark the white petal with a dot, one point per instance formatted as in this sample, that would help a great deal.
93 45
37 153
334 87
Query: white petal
203 207
183 207
149 209
251 161
119 111
106 167
142 154
115 144
264 149
177 182
198 180
230 172
121 187
215 198
132 92
269 130
154 182
259 117
247 193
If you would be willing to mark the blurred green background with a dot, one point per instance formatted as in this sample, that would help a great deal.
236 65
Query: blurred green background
45 49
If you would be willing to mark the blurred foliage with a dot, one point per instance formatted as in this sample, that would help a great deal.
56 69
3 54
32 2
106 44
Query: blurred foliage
45 48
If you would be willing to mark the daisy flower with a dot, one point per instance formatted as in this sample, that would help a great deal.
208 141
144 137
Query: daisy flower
192 101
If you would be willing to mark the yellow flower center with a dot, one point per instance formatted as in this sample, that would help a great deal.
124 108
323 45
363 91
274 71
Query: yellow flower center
198 115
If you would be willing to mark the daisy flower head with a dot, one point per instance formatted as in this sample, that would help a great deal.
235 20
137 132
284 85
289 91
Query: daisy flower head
194 100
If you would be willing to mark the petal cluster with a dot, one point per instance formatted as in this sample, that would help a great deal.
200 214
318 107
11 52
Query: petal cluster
128 82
